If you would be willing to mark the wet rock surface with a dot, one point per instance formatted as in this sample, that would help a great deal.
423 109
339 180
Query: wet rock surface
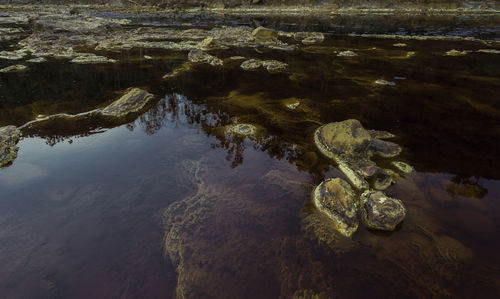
198 56
9 135
381 212
335 198
133 101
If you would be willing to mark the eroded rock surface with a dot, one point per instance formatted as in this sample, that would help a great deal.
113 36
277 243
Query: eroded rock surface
9 135
133 101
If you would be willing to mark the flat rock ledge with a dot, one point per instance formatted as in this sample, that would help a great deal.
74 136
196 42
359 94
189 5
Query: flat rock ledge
9 136
133 101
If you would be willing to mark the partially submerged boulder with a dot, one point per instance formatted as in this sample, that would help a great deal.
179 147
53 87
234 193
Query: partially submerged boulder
343 140
336 199
133 101
380 211
199 56
264 33
9 135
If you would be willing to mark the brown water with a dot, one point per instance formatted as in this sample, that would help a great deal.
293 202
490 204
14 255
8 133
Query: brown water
86 208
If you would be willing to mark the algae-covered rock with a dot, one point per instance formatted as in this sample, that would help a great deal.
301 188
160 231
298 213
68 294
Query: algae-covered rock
381 212
14 69
9 135
337 200
345 139
133 101
264 33
198 56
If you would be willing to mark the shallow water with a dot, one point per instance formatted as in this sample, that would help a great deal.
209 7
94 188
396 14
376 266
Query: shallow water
86 208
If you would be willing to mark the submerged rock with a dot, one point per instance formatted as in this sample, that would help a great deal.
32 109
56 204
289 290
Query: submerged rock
14 68
9 135
243 129
399 45
133 101
251 64
336 199
381 212
198 56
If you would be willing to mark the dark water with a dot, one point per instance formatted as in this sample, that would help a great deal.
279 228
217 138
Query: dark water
82 208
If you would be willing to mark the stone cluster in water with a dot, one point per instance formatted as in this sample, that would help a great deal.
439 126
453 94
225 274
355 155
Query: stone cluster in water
352 146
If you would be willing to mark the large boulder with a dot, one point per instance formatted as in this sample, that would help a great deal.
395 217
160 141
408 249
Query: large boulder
380 211
9 135
133 101
336 199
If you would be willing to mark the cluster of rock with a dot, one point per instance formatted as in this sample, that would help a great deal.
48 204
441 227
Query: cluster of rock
352 146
